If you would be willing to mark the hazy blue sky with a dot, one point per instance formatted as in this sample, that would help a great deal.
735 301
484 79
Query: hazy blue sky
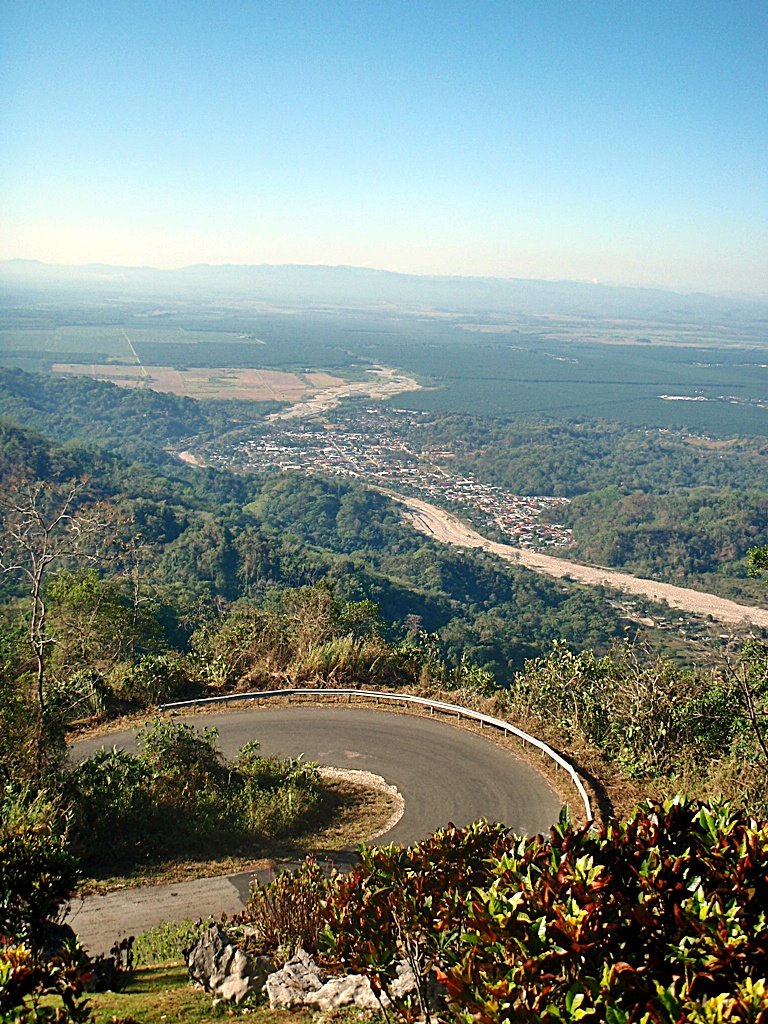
625 141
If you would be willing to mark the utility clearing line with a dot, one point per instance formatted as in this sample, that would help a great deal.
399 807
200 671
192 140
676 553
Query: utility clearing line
135 355
444 527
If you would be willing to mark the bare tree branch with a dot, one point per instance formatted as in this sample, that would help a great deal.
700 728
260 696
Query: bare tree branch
42 523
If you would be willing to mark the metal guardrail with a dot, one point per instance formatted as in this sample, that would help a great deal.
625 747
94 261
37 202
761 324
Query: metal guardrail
404 698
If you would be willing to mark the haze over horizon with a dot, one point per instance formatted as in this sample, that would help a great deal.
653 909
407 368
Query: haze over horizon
516 140
17 269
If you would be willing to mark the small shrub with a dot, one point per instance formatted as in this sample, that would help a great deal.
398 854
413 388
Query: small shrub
180 750
37 869
28 988
111 796
275 793
409 902
155 678
18 724
273 814
82 694
289 913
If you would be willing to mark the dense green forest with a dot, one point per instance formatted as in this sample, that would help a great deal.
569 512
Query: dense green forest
687 535
204 539
570 457
680 507
141 425
130 578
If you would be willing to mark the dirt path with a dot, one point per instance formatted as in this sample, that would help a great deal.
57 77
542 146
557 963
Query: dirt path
447 528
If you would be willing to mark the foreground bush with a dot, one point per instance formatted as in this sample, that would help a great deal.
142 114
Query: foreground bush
658 919
37 871
411 903
289 913
179 797
36 993
650 717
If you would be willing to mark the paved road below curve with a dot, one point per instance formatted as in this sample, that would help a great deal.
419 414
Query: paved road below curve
442 772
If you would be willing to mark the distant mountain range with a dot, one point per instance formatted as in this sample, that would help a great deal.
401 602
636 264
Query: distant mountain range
299 285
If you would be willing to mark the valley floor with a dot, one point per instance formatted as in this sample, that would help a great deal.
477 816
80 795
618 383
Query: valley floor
444 527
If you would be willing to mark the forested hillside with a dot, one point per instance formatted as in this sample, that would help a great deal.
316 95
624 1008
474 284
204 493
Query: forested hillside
130 580
574 456
138 423
680 507
689 534
208 538
672 505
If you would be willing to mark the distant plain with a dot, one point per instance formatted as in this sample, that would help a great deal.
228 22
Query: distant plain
209 382
653 374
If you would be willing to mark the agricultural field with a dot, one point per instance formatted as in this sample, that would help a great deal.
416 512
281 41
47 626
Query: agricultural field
205 382
284 344
718 392
710 379
625 331
37 349
114 344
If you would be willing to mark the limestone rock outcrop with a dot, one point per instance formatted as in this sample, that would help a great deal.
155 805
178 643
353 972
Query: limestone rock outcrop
225 970
230 973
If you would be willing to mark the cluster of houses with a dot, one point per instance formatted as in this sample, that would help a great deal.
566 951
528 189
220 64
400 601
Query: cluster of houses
373 449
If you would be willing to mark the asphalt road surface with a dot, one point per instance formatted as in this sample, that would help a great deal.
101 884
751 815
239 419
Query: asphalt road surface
442 772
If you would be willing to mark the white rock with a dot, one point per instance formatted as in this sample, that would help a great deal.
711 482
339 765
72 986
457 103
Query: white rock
224 969
404 983
290 986
351 990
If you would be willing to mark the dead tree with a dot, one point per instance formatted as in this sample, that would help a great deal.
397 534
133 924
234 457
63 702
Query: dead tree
42 524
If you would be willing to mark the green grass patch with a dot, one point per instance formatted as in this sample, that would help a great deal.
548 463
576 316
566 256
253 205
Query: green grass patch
165 944
164 994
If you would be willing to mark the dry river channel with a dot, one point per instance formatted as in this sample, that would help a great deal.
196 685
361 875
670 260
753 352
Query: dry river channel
444 527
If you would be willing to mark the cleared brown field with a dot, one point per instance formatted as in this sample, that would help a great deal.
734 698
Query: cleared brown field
210 382
322 380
